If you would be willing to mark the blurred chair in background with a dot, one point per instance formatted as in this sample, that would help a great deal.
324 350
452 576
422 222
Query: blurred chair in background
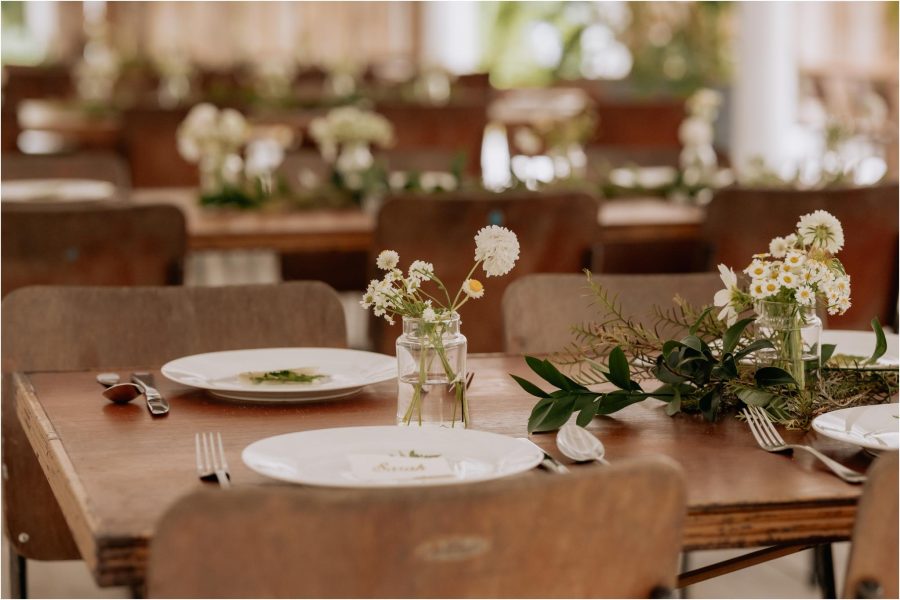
92 244
100 166
76 328
555 231
514 537
872 571
741 222
540 310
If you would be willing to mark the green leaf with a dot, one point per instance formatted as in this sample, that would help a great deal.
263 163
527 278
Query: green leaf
880 342
752 347
674 405
697 323
558 415
550 374
767 376
587 414
539 413
827 350
693 342
530 387
619 372
754 397
732 336
663 373
709 404
615 401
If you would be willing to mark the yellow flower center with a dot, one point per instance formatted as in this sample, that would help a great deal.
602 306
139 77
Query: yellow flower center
475 285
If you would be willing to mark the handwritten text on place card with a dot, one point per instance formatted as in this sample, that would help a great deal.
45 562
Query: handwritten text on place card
383 467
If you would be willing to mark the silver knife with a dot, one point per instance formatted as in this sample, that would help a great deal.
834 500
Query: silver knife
157 405
549 463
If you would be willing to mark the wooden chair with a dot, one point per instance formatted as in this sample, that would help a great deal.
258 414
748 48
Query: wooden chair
555 234
102 166
610 532
540 310
741 222
103 244
872 571
73 328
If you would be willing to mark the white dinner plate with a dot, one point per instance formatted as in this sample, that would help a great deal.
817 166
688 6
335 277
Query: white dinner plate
322 457
56 190
862 344
874 428
218 373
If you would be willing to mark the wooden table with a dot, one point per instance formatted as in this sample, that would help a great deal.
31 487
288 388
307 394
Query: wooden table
115 469
347 230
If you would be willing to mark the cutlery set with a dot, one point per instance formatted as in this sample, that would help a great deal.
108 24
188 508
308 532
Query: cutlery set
141 384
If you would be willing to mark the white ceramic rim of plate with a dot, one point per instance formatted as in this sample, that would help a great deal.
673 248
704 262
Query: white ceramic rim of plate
532 455
386 369
822 425
287 397
57 190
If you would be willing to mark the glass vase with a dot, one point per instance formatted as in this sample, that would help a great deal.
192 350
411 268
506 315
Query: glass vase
431 363
794 330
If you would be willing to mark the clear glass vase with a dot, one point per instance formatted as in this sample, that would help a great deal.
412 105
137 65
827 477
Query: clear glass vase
431 363
794 330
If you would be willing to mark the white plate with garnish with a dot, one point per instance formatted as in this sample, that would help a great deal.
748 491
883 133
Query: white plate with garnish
853 349
282 374
390 456
57 190
874 428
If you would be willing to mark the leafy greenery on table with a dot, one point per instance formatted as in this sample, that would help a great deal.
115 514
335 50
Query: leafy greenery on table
707 371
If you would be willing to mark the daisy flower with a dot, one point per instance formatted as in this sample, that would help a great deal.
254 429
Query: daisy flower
758 289
757 269
498 249
805 295
387 260
820 229
788 280
794 259
473 288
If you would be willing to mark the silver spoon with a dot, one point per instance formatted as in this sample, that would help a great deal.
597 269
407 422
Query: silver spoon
580 444
122 393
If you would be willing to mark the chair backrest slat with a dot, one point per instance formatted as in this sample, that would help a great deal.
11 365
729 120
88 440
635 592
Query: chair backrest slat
610 532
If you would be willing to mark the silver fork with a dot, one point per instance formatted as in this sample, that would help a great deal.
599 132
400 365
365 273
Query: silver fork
211 463
770 440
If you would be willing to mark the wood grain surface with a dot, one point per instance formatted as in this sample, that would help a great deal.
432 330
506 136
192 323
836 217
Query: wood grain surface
115 470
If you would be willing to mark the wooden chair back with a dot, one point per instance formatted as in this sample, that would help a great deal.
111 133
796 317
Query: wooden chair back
150 142
102 166
740 222
610 532
103 244
540 310
74 328
872 570
555 234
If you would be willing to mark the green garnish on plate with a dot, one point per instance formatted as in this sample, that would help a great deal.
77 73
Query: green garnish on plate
283 376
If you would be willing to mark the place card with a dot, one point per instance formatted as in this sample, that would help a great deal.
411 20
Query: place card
384 467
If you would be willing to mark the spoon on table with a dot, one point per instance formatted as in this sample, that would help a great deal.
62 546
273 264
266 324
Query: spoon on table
579 444
119 393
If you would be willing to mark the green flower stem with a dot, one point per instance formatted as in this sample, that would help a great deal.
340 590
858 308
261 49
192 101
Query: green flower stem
453 305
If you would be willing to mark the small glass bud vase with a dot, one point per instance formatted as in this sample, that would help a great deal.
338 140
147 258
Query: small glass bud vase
794 330
431 363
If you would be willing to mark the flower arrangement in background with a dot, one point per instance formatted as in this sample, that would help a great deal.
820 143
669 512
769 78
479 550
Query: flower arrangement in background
799 268
434 351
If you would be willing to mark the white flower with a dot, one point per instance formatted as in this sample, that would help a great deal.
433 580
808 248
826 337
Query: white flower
778 247
421 270
794 259
498 248
729 298
387 260
473 288
771 287
814 272
821 229
757 269
758 289
788 280
428 315
232 127
695 131
791 240
805 295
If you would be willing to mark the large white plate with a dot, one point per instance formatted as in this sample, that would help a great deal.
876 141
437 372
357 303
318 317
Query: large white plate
321 457
217 372
56 190
862 343
872 427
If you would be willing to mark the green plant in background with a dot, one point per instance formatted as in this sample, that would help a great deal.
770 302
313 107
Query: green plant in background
657 47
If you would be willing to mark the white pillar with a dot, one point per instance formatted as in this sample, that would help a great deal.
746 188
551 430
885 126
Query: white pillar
765 86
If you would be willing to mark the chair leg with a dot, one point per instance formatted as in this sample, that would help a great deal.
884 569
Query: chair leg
685 567
18 575
823 564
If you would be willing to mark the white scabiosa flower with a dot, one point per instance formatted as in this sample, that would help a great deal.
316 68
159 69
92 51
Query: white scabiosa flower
473 288
498 248
778 247
421 270
821 229
387 260
805 295
428 315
